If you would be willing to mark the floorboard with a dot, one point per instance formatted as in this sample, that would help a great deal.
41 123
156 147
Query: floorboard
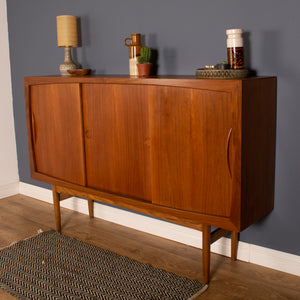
22 217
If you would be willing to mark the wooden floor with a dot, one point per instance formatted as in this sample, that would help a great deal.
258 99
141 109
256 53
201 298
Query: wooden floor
22 217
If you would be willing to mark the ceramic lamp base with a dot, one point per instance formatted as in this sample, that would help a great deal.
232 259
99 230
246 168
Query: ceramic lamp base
68 64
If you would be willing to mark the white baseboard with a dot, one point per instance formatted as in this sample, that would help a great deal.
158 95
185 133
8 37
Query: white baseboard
274 259
266 257
35 192
10 189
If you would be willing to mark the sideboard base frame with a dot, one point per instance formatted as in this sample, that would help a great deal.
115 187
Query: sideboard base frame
208 237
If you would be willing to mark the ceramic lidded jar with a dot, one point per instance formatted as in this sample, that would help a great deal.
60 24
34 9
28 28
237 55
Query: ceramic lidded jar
235 48
134 44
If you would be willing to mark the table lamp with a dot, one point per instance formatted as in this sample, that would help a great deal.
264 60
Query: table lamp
67 38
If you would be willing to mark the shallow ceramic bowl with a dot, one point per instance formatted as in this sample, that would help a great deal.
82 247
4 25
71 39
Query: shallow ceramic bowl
79 72
222 74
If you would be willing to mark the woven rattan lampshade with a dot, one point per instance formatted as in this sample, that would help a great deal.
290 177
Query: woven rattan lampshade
66 31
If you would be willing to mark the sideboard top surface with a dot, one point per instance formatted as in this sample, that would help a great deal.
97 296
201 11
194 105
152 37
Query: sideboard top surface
128 79
163 80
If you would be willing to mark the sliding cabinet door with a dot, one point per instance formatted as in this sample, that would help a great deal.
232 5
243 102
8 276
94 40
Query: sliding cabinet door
56 130
117 139
191 135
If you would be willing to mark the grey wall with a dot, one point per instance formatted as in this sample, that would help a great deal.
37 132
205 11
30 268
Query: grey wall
187 35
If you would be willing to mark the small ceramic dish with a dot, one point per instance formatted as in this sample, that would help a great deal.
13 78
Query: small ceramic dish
222 74
79 72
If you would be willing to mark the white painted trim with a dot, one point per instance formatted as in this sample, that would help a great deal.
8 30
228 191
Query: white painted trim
35 192
10 189
9 173
277 260
274 259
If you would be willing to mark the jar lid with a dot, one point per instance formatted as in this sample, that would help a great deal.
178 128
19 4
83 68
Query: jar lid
234 31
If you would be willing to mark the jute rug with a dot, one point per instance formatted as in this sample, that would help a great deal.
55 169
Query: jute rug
53 266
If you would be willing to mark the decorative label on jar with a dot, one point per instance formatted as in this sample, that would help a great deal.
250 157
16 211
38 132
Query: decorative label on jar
235 48
235 57
133 70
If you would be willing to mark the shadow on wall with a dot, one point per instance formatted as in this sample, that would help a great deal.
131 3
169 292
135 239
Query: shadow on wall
247 53
270 51
84 41
152 43
169 54
74 53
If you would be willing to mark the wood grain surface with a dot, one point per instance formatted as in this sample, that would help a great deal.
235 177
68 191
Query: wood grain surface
22 217
199 151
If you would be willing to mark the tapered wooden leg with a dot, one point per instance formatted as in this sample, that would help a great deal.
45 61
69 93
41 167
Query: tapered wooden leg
56 202
91 207
206 252
234 245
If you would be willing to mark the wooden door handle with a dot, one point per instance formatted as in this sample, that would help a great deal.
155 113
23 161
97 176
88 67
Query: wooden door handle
88 134
228 152
147 142
33 129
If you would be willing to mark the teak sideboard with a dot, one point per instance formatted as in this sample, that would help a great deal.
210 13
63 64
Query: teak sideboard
196 152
